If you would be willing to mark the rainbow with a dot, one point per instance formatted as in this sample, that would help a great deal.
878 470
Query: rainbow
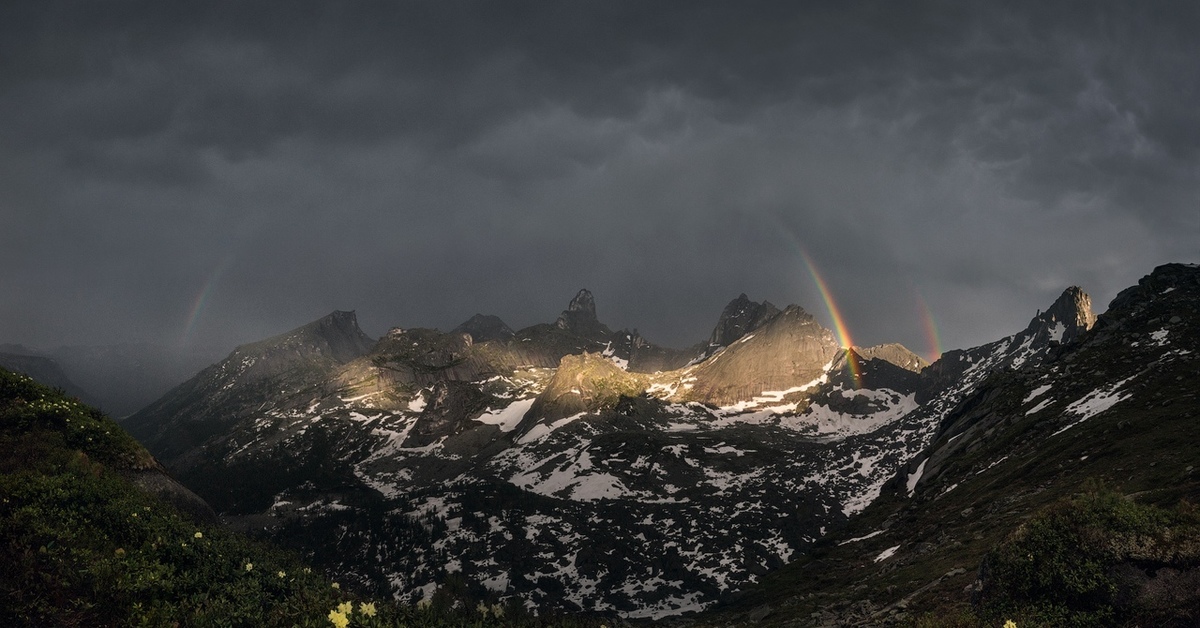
932 341
839 323
202 298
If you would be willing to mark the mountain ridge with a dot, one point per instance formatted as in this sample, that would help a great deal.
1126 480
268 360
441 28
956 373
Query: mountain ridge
1100 420
558 425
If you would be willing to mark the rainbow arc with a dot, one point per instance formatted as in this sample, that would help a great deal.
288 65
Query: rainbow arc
202 298
932 340
839 323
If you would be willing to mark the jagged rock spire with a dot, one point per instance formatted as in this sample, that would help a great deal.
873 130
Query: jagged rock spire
1070 316
580 316
584 303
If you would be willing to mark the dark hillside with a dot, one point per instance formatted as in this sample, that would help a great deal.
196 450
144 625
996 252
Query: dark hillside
1054 495
85 544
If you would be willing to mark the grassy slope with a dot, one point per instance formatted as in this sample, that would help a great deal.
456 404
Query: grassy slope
82 546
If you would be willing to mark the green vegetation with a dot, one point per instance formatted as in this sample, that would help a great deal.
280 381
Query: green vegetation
1099 559
83 546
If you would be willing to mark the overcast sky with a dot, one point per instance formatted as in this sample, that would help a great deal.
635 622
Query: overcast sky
213 173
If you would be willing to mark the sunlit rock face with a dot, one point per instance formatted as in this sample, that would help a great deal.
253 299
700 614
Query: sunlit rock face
789 351
1068 318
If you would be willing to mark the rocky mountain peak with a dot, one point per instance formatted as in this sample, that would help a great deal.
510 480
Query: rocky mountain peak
340 331
580 317
583 302
1069 316
790 349
335 336
740 317
483 327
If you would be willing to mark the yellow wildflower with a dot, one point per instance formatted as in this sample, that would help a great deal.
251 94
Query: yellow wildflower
338 619
281 574
367 608
120 552
199 535
346 608
1010 624
249 566
337 586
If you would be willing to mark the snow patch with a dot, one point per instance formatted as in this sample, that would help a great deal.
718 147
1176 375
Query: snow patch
1039 407
1096 402
828 421
861 538
915 477
994 463
577 475
774 396
508 417
886 554
611 353
1036 392
497 583
542 430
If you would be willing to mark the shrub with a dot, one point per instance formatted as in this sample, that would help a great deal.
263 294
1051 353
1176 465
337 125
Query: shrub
1091 561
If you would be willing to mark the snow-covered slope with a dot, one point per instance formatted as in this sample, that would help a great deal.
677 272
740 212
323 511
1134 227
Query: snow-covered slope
539 464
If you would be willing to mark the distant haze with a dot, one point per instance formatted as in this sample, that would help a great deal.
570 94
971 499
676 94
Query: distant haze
209 174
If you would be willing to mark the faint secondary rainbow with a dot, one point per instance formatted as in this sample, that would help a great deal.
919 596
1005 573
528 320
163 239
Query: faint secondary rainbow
932 341
202 298
839 323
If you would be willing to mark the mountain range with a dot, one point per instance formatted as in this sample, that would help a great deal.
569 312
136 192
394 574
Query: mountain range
1046 478
567 465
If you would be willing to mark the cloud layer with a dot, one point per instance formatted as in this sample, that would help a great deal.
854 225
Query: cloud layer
213 173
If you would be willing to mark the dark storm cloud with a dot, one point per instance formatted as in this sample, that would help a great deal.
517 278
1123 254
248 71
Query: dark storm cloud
252 166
